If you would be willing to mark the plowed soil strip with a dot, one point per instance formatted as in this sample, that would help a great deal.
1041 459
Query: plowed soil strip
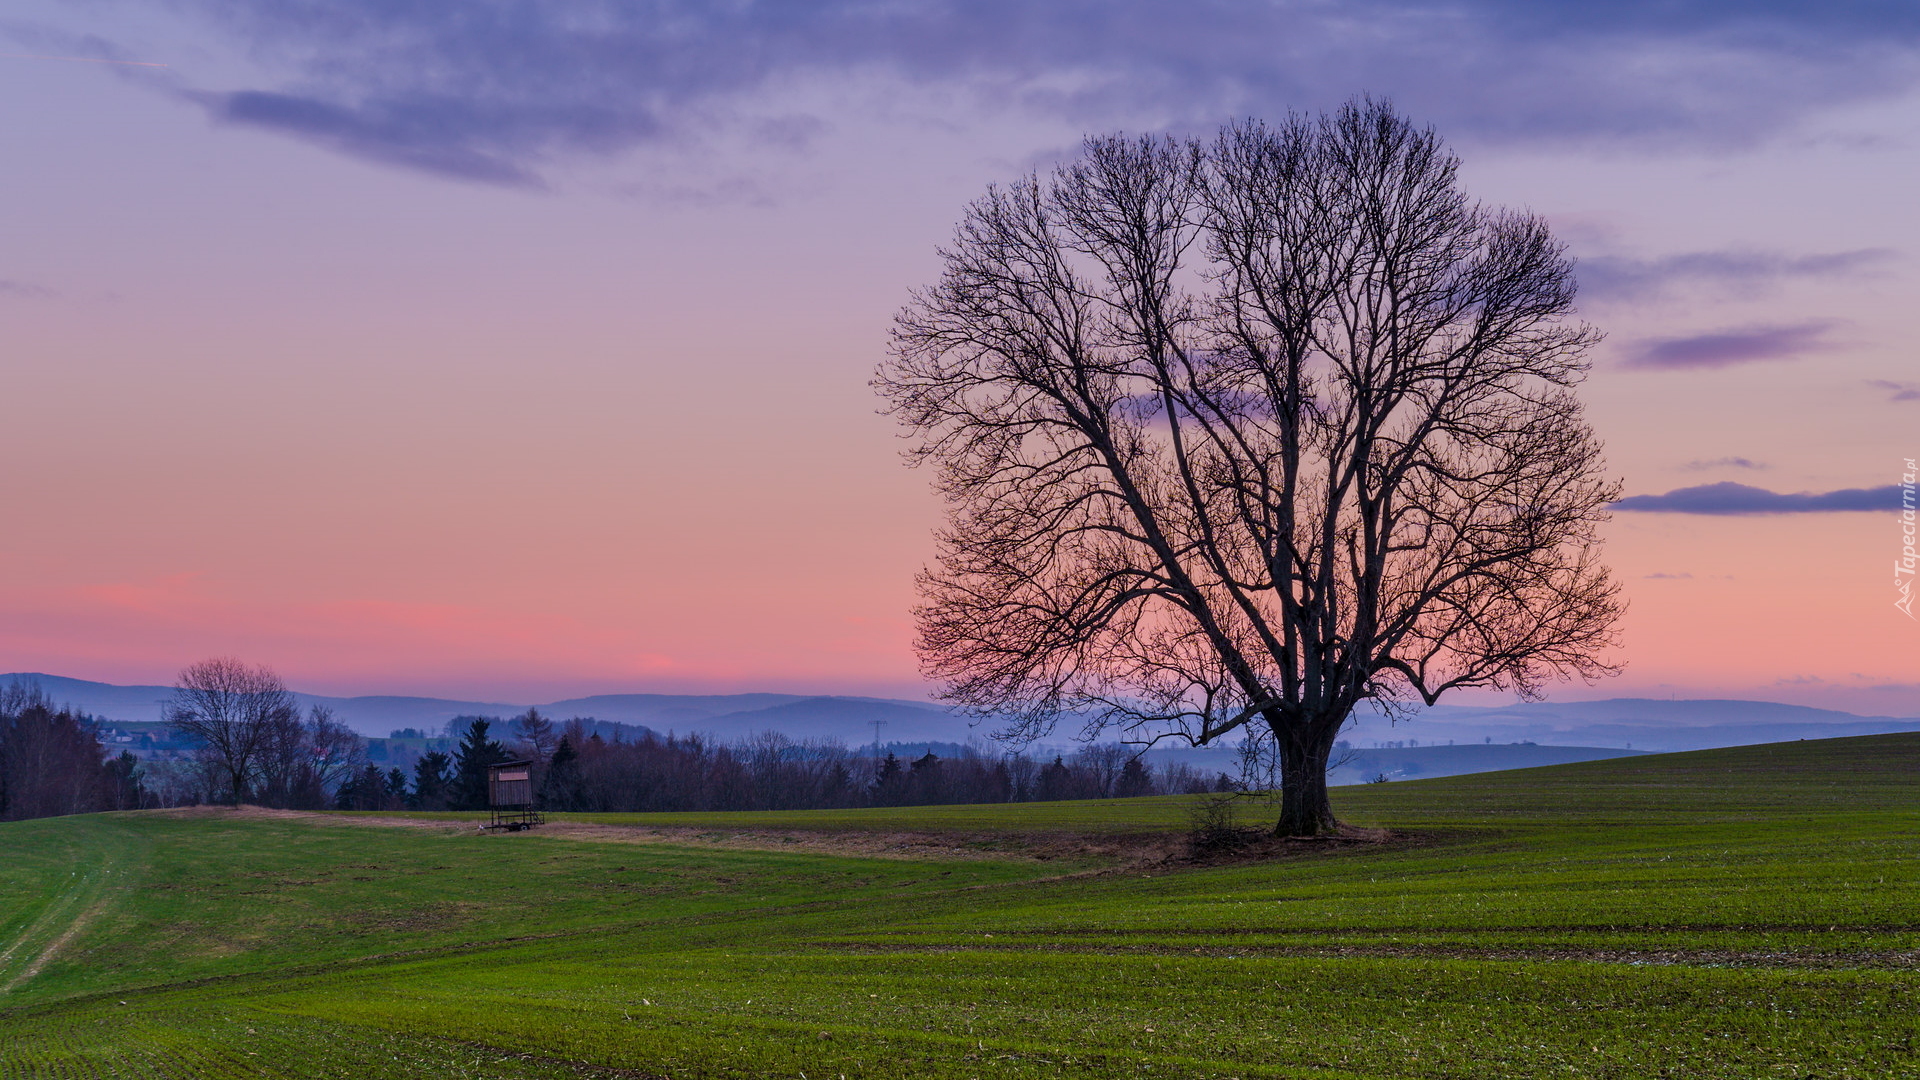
1887 960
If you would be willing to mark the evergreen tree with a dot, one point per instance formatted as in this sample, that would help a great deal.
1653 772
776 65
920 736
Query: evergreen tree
470 767
1133 781
838 786
1056 781
365 790
925 783
890 786
1002 789
561 790
430 781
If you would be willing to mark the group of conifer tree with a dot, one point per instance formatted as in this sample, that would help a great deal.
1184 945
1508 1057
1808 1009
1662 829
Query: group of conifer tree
52 761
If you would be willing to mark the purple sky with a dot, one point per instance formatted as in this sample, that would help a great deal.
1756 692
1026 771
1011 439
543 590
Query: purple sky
520 349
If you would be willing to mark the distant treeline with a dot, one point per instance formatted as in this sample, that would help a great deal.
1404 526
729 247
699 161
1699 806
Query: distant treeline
576 768
247 741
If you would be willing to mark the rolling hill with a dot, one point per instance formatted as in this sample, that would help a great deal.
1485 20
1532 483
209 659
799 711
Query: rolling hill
1744 912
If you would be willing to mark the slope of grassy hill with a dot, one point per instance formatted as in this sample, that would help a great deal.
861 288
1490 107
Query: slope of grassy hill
1748 912
1422 762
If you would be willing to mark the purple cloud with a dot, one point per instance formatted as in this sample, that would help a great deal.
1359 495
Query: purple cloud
25 290
1729 347
495 90
1614 278
432 136
1732 498
1725 463
1897 391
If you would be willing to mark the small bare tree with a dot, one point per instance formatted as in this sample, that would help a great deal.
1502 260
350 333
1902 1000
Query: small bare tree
234 711
336 751
534 736
299 764
1250 432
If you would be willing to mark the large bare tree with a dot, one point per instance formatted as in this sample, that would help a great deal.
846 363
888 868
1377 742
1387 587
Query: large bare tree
235 711
1238 435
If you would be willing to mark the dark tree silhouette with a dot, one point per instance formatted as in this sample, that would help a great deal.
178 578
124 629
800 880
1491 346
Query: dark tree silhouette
334 750
838 788
1056 782
1133 781
763 771
1247 433
561 788
476 752
927 781
235 712
51 761
300 763
890 782
124 788
370 789
534 736
432 777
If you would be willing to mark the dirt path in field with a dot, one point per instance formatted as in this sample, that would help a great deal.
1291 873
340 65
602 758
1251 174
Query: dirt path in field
53 948
1108 850
88 892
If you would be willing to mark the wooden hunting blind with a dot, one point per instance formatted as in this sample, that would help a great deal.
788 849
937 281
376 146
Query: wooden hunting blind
510 796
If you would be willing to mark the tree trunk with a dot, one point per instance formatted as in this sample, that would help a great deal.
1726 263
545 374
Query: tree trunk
1304 809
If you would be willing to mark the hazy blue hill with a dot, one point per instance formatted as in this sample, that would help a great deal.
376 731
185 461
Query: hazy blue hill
1618 723
379 714
1642 723
371 715
848 719
682 712
727 715
98 698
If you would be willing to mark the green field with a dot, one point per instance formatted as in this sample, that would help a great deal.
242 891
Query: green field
1752 912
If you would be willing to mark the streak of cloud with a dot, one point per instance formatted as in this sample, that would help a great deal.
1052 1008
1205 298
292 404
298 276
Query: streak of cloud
1728 347
24 289
82 60
1729 498
1725 463
1897 391
1618 278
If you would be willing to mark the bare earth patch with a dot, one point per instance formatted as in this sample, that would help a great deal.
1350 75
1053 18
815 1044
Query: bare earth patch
1111 851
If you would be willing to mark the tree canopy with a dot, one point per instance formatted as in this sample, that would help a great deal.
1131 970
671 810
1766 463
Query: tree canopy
1238 434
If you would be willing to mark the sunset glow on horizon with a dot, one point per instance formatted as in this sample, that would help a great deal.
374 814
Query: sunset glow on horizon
404 373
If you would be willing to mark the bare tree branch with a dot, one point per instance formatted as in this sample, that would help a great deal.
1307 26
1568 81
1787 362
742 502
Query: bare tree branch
1250 432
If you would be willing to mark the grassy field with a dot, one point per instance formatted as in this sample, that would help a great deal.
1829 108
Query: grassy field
1732 913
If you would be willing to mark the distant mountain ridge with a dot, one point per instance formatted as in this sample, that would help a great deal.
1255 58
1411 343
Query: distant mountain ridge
1638 723
729 716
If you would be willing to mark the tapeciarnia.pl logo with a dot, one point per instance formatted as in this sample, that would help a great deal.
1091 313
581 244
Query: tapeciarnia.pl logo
1903 567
